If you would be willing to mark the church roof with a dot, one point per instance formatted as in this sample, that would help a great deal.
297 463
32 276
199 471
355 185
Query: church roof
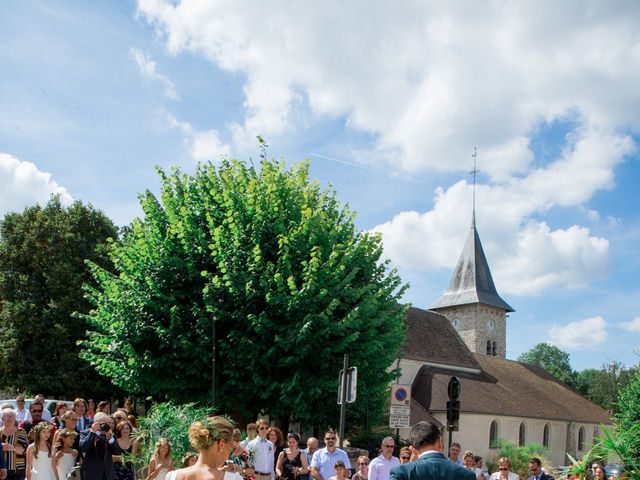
519 390
431 339
471 281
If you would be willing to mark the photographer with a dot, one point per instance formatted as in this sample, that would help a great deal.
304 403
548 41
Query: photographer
98 444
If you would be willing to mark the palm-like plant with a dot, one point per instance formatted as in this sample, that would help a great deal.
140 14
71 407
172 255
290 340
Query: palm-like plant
624 444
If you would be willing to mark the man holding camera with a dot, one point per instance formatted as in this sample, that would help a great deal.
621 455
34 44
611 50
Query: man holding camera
98 444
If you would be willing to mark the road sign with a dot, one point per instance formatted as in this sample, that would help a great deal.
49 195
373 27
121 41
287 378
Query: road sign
352 383
400 408
400 394
400 420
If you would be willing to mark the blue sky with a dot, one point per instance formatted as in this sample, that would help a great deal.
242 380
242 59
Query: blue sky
387 102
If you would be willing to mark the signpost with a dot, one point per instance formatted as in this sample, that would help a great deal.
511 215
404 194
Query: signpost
347 385
400 408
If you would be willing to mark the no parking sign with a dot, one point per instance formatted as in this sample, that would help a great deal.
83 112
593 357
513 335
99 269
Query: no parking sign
400 408
400 394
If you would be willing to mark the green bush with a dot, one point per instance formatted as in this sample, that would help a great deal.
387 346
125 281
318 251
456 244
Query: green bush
519 456
169 421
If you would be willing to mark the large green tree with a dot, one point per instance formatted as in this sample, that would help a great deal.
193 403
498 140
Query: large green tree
274 264
552 359
42 273
602 386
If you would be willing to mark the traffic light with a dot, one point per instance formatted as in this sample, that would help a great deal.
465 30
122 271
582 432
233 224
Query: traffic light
453 415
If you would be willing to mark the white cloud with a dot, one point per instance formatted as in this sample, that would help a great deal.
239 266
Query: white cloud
632 326
204 145
431 79
147 68
581 333
526 256
24 185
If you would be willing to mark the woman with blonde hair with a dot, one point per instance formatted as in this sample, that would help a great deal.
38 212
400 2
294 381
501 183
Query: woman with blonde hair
160 464
363 468
213 438
469 462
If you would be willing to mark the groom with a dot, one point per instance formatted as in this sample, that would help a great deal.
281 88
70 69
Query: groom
431 463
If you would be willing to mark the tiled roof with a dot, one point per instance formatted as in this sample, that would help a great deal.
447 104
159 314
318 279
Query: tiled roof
431 338
519 390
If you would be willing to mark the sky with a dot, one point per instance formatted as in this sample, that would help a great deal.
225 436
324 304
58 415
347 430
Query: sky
388 101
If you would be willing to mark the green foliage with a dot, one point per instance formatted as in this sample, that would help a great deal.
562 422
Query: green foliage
625 444
602 386
279 265
519 456
552 359
628 404
171 421
42 272
581 467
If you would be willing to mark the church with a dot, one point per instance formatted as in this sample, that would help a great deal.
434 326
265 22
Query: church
463 334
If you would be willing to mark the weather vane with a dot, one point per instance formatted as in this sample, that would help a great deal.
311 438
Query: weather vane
474 172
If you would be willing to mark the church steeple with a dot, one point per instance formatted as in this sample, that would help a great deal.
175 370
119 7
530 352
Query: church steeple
471 281
471 303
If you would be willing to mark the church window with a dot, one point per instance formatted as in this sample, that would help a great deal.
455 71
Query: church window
493 434
521 435
545 436
494 349
488 347
596 434
581 439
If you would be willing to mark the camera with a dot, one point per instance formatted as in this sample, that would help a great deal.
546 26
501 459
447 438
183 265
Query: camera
105 427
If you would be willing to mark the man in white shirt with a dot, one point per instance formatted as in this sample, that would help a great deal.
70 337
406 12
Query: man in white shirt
262 451
21 411
380 467
325 458
504 472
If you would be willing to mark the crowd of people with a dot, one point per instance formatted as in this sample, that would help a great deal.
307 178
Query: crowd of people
79 441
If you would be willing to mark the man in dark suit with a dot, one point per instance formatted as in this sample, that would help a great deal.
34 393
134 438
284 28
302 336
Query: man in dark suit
535 468
99 445
431 464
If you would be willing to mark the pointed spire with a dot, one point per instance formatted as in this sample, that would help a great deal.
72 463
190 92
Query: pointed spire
471 281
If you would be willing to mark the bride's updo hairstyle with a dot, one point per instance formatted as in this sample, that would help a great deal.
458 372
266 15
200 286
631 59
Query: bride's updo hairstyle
204 434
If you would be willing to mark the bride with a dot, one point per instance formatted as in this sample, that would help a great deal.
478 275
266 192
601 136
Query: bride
213 440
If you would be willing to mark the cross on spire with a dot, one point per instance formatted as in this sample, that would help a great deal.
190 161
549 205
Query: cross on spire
474 172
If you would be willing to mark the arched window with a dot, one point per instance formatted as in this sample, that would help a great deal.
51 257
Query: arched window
545 436
488 347
581 439
596 434
493 434
494 350
521 435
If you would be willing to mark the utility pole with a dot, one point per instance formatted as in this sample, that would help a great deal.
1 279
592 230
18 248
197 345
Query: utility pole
213 361
343 397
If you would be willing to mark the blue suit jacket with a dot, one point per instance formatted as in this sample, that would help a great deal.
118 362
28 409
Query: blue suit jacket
432 466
